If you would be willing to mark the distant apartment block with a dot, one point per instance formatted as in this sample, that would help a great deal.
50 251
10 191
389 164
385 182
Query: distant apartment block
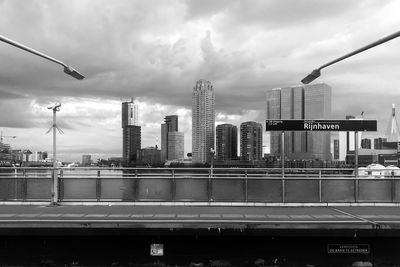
86 160
336 148
176 148
226 142
251 141
203 121
378 142
366 143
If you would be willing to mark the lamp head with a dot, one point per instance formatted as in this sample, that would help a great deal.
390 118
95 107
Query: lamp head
56 106
71 71
312 76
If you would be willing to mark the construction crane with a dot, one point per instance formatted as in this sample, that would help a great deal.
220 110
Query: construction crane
5 136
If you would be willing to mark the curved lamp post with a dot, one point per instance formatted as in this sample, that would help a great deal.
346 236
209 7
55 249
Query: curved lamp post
68 70
317 72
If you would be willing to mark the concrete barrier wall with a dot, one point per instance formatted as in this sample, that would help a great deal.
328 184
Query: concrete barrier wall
301 190
154 189
264 190
377 190
38 189
338 190
228 189
191 189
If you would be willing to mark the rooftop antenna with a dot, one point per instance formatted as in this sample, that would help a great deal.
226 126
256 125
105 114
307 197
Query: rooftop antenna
392 132
54 193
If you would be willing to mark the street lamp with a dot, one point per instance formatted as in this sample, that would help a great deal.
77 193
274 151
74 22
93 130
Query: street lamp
67 69
317 72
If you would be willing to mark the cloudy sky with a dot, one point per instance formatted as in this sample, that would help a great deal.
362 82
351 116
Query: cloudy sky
155 50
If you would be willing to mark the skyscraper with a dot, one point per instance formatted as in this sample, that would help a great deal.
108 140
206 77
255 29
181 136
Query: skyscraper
131 133
251 141
203 121
301 102
170 125
226 142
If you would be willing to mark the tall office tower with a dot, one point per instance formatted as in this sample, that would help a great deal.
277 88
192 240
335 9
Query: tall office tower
176 145
203 121
131 133
301 102
170 125
336 149
226 142
251 141
366 143
378 142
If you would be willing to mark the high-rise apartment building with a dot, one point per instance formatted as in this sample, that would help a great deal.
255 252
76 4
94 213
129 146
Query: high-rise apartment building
251 141
131 133
301 102
226 142
203 121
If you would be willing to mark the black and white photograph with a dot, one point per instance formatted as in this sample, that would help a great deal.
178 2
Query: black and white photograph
200 133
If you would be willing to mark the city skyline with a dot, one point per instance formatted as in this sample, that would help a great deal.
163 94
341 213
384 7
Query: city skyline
156 51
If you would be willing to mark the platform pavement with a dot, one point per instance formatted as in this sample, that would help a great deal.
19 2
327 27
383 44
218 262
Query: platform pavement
199 217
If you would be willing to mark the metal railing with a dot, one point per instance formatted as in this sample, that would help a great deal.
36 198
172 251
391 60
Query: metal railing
258 185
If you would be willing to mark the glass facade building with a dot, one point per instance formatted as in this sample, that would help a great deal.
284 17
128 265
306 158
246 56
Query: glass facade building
300 102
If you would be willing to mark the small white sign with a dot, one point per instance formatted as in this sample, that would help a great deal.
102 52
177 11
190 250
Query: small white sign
157 249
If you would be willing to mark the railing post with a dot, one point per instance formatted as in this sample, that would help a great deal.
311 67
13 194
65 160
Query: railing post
356 189
320 185
136 186
210 197
246 187
61 186
24 188
283 189
393 189
173 185
98 186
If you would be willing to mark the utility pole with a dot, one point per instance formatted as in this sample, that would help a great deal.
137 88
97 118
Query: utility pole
54 193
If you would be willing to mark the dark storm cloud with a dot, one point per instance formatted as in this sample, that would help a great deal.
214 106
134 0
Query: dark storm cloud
155 51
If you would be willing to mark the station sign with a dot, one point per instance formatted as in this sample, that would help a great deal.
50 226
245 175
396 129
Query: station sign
321 125
348 248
